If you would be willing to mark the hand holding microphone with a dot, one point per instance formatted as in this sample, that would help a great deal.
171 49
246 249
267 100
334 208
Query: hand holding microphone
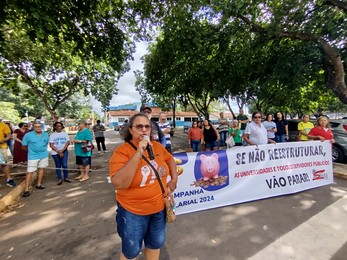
149 148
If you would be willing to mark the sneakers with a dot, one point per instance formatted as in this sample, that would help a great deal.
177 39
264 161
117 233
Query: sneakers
11 183
99 152
26 194
60 182
105 151
40 187
67 180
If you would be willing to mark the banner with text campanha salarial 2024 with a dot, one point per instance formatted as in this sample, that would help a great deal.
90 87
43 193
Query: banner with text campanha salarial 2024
240 174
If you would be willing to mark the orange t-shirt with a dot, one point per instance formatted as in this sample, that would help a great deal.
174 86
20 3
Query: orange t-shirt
195 133
144 195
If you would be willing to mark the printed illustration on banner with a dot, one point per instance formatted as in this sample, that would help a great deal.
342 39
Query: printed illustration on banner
211 171
318 175
180 159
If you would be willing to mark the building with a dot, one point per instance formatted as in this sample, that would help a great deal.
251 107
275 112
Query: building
116 115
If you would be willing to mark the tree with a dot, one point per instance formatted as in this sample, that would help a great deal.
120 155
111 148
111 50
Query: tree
8 111
185 62
60 49
318 23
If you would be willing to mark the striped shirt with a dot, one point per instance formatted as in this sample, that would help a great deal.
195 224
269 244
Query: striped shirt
163 127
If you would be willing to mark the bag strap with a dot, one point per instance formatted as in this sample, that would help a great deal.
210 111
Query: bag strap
155 171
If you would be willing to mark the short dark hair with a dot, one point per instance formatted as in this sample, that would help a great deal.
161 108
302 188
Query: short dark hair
267 116
255 113
56 123
127 136
98 121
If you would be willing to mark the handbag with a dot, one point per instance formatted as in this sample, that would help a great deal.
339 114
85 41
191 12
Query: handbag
169 201
230 141
87 146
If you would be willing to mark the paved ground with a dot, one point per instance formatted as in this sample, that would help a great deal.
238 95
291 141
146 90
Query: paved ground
76 221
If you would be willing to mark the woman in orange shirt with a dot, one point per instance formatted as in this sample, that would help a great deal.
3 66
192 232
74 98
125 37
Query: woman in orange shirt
141 214
194 137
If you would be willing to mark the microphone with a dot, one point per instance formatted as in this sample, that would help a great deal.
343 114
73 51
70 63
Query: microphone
149 148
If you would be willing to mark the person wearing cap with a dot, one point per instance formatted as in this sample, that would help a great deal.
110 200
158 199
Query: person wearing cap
156 134
36 143
83 158
5 135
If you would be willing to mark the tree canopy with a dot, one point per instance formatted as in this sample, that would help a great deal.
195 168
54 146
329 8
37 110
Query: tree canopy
270 50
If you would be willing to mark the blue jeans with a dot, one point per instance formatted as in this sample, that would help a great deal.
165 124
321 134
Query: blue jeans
61 163
223 136
280 138
133 229
243 141
195 144
211 145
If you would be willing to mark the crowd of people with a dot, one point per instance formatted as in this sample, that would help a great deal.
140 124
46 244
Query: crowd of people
243 131
30 150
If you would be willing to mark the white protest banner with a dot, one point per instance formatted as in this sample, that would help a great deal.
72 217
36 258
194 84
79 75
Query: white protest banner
240 174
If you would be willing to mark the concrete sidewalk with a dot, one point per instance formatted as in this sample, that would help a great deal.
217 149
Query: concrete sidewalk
11 196
112 139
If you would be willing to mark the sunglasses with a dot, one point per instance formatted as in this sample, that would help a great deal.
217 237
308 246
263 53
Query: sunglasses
25 126
147 112
257 117
140 127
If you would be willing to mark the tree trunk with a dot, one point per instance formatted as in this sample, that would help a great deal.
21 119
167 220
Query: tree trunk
226 101
334 71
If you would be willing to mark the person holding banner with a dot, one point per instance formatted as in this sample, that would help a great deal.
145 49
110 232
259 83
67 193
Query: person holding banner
304 127
236 133
322 130
255 133
141 211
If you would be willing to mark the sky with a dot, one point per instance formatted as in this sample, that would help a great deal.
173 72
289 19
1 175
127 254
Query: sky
126 85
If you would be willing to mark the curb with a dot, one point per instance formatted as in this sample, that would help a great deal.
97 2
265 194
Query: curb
14 194
340 170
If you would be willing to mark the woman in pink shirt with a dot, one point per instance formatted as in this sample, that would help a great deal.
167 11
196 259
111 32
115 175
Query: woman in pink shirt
322 130
194 137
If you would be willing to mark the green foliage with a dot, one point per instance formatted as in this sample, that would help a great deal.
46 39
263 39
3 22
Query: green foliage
8 112
272 54
58 49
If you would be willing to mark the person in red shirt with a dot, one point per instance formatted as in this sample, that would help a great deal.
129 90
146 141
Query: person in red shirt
141 210
322 130
194 137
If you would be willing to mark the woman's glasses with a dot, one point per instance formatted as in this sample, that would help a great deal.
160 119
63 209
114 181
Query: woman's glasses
140 127
257 117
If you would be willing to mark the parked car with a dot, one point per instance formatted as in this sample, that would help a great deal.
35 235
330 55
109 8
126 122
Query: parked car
186 127
118 126
339 128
